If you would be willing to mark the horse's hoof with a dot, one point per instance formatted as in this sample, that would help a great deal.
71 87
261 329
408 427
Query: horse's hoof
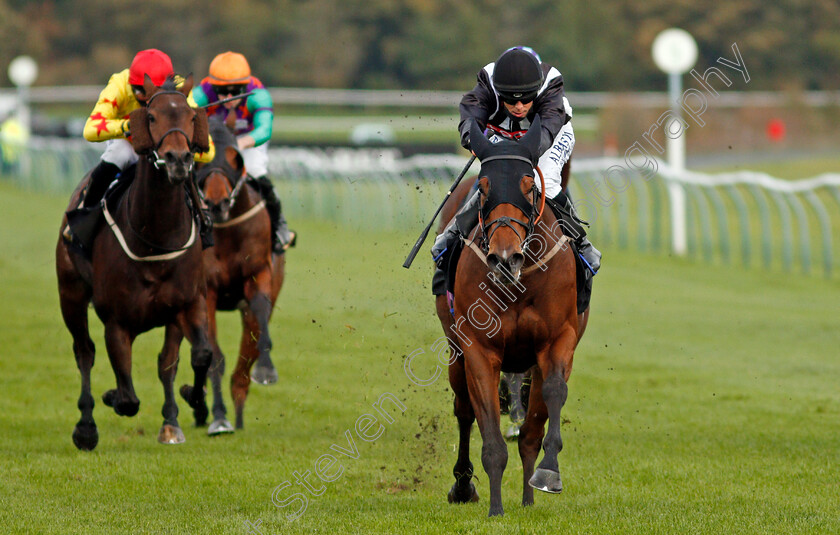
199 407
201 413
186 392
496 511
170 434
546 480
512 432
121 407
461 495
85 436
264 375
219 427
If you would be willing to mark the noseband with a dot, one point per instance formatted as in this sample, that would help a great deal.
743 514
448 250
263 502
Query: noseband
490 227
154 157
234 187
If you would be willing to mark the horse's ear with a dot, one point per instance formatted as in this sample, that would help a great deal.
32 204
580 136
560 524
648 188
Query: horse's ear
532 139
201 131
141 138
234 158
478 142
187 86
149 87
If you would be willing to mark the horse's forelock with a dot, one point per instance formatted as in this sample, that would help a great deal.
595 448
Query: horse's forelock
169 84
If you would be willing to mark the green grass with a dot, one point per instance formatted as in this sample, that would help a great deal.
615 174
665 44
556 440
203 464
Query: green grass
704 399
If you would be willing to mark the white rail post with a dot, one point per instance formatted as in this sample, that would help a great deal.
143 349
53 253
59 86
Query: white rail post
675 52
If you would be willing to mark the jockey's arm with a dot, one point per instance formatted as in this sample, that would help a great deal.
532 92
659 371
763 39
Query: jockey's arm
475 106
108 120
261 108
195 99
198 97
554 111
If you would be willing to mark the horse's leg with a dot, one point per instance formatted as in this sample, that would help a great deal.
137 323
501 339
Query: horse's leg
531 434
240 379
194 324
258 292
482 371
463 490
74 296
583 321
555 364
118 342
517 409
170 432
220 423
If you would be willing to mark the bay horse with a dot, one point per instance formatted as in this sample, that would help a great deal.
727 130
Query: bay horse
514 310
145 268
242 272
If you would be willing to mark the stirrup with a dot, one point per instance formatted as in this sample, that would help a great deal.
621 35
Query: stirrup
593 263
281 245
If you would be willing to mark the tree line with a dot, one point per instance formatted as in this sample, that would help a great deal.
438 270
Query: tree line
601 45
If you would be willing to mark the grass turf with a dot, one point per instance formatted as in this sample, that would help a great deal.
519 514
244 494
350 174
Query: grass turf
703 400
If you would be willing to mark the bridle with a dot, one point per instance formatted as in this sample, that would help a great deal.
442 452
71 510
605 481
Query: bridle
234 188
490 227
153 156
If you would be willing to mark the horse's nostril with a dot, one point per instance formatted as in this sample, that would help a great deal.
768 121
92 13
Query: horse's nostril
177 158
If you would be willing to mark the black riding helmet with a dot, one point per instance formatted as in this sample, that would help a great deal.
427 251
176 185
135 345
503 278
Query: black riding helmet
518 75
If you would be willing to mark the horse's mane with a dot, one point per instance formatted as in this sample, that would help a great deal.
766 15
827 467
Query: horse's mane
221 134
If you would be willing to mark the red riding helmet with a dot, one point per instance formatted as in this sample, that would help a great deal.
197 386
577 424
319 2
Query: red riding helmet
152 62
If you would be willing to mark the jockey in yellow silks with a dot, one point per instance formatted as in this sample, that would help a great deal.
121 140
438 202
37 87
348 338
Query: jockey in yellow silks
108 121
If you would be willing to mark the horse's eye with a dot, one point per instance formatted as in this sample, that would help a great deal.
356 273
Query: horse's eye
151 118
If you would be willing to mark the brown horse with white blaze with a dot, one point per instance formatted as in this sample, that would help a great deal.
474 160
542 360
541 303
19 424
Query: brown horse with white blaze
514 310
242 272
145 267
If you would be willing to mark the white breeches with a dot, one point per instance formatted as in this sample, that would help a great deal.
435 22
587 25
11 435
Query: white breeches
120 153
552 161
256 160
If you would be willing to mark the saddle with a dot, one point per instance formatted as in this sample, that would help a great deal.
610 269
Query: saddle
83 222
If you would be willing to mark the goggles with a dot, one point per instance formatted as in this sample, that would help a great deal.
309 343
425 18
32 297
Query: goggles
232 89
513 98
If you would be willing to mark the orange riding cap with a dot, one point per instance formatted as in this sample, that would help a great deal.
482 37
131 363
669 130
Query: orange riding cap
229 68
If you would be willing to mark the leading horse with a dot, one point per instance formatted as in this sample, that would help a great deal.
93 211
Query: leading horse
514 310
242 272
145 267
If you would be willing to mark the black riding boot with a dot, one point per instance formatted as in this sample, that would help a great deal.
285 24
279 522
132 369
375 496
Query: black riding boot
281 237
572 225
461 224
100 178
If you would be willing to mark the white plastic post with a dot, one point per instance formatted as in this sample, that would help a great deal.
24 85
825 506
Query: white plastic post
675 52
676 159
